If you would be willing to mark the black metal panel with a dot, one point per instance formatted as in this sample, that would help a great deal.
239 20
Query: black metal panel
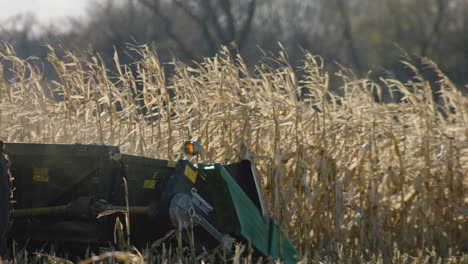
145 177
56 174
4 199
50 150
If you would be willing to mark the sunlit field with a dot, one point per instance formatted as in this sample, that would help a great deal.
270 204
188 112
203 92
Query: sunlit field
349 176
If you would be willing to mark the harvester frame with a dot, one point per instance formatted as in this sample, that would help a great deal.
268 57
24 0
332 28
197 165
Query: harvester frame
73 193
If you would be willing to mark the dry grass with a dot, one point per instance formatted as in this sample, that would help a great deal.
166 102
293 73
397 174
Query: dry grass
350 179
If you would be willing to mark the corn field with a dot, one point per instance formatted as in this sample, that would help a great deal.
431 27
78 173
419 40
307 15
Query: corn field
348 177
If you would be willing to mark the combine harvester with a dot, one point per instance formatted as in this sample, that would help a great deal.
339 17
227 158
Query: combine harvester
60 190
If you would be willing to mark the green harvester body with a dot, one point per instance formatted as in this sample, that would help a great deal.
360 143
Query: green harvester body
61 189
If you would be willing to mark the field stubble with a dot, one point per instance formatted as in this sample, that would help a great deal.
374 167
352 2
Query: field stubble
349 178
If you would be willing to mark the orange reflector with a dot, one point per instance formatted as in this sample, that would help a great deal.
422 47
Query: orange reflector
189 148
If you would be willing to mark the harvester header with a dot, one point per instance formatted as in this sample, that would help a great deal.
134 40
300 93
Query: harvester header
72 194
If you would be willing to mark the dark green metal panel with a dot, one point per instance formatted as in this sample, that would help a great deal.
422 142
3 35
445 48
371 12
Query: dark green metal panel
240 215
243 173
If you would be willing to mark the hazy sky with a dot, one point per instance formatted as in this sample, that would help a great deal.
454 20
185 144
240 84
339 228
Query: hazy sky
45 11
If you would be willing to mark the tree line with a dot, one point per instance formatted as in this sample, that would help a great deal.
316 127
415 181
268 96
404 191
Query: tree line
370 37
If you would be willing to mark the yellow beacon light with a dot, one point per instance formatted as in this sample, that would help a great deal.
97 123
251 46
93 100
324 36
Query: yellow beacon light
191 148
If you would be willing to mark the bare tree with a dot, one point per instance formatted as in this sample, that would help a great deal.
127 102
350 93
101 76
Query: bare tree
220 22
432 42
348 34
